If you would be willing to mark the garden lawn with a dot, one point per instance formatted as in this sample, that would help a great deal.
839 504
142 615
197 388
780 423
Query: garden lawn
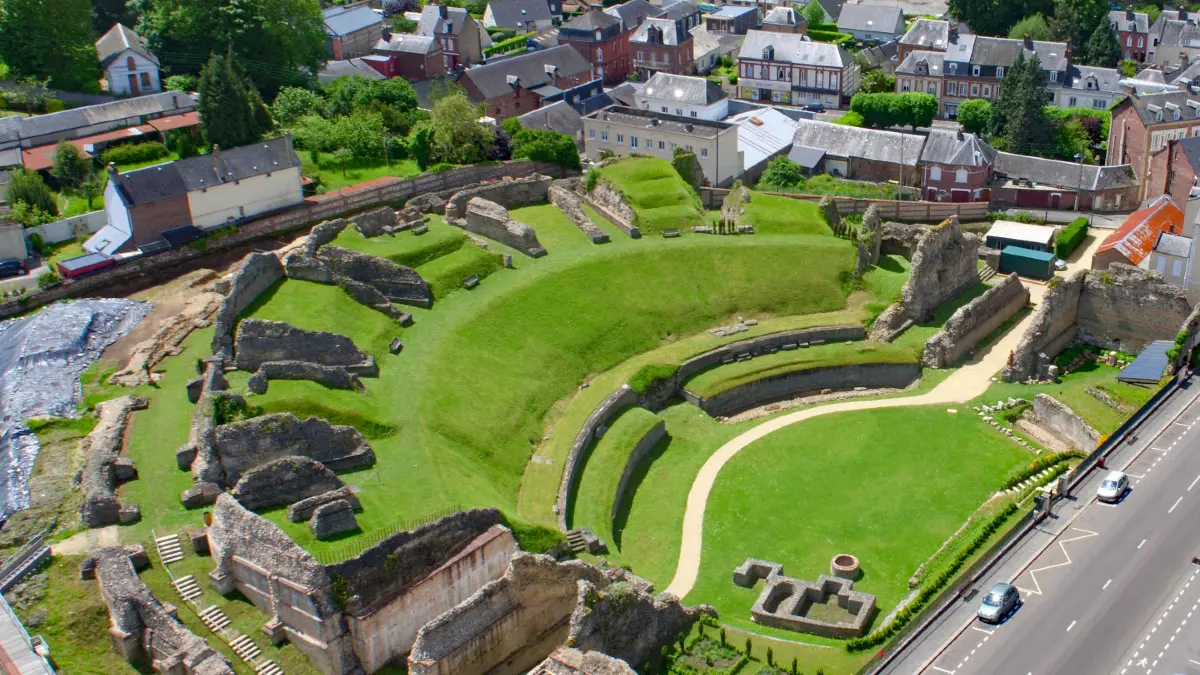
333 178
659 196
828 185
770 214
887 485
63 251
406 248
606 464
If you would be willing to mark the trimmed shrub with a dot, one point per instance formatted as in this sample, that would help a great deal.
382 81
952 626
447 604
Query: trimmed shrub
133 153
1070 237
504 46
1041 463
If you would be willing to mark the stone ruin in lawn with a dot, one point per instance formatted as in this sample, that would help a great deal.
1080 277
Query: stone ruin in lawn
568 661
386 220
106 468
868 241
144 630
563 194
281 351
489 219
791 603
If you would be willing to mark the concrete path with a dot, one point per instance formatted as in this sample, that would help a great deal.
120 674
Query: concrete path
88 541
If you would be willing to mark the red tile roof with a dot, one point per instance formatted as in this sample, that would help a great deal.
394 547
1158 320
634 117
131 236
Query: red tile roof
1137 235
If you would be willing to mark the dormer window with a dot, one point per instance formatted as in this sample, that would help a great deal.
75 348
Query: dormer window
975 71
999 72
953 68
1054 76
768 53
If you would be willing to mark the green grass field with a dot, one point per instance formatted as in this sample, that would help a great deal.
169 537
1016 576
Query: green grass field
447 273
607 463
770 214
334 177
658 195
407 248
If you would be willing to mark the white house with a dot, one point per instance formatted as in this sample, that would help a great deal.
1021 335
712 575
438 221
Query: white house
130 68
684 96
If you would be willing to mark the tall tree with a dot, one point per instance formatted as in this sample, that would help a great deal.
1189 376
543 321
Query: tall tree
70 167
107 13
1076 20
458 136
975 115
279 42
231 111
1019 115
814 13
1103 48
1034 26
50 39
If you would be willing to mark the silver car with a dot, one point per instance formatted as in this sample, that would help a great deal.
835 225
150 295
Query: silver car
1113 487
998 603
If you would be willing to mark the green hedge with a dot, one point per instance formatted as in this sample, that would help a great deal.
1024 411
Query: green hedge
1040 464
829 36
1070 237
133 153
505 46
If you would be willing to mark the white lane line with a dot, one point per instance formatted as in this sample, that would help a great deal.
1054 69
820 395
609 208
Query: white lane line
1197 480
1141 544
1194 661
951 672
984 630
1071 626
1172 509
1105 587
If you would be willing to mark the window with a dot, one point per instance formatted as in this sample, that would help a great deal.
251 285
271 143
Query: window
960 176
633 141
780 74
639 56
591 133
664 108
688 148
1072 101
975 71
820 79
1140 45
833 81
604 136
693 113
1054 76
953 68
1176 268
804 78
1162 265
704 152
1129 41
904 86
999 72
987 91
679 111
952 88
974 90
1099 103
932 89
145 77
935 173
621 139
661 145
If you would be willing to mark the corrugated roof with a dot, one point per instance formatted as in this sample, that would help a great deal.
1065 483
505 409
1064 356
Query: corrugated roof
762 133
683 89
793 48
167 102
1139 233
874 18
1009 229
341 21
118 39
872 144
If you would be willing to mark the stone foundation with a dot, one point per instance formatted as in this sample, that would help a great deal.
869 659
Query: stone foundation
868 242
259 341
302 510
974 321
788 385
172 331
491 220
375 222
784 601
242 446
593 428
608 200
105 468
572 207
568 661
644 445
283 481
257 273
334 377
510 194
333 518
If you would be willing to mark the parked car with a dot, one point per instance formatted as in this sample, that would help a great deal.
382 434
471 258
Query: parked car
814 107
12 268
999 603
1060 264
1113 487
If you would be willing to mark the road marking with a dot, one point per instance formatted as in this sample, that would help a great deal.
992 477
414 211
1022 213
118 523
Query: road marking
1194 483
1037 587
951 672
1071 626
1194 661
1141 544
1105 587
1172 509
984 630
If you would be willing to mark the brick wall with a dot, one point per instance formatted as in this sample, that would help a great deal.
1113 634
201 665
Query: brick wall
1171 173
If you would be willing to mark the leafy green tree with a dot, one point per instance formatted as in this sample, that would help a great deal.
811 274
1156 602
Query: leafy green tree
918 109
975 115
184 83
231 111
420 144
546 146
361 133
281 42
91 188
347 93
29 188
1019 115
986 17
511 126
107 13
782 172
50 39
458 137
314 132
342 156
877 110
1128 68
877 82
292 103
912 108
70 167
1076 20
814 13
1103 48
1034 26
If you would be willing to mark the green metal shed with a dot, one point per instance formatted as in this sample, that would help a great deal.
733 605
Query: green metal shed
1027 262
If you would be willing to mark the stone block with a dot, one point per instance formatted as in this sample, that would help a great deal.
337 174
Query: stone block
194 387
333 518
199 541
243 446
274 630
124 469
670 233
491 220
405 319
396 345
200 494
259 341
284 481
258 383
376 222
129 514
303 509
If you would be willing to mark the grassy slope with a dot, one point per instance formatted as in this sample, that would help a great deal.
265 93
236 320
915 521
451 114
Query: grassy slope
447 273
781 215
658 195
406 248
606 464
888 486
332 177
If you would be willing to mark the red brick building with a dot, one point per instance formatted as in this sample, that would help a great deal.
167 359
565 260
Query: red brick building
1146 124
664 44
512 87
413 57
1133 32
1174 170
602 37
956 167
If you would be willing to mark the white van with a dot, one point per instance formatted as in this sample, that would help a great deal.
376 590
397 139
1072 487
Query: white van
1113 487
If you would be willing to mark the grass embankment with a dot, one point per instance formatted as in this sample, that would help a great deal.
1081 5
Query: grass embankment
605 466
447 273
406 248
770 214
659 196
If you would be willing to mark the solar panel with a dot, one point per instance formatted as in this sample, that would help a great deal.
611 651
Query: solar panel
1149 366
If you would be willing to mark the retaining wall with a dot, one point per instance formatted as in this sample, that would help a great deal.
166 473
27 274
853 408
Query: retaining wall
768 344
919 211
974 321
1065 423
788 385
69 228
593 428
643 447
610 203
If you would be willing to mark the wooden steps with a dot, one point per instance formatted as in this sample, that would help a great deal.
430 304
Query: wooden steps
169 549
214 618
187 587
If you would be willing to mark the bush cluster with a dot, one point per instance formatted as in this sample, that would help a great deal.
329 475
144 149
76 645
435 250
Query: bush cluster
829 36
504 46
1180 340
934 587
1040 464
1070 237
132 153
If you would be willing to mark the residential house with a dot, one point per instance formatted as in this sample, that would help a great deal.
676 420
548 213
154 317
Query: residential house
413 57
130 69
204 192
763 134
602 37
523 16
921 71
1133 32
664 43
975 66
352 30
871 23
514 86
860 154
832 8
560 116
785 20
788 68
732 19
1145 124
931 35
462 37
1091 87
881 57
626 131
1175 172
1172 257
350 68
956 167
1174 39
708 48
685 96
1021 181
1134 242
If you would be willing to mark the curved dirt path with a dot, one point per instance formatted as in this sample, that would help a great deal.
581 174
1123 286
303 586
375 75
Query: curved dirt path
968 382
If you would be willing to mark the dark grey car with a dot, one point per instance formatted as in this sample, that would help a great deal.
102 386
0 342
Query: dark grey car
998 603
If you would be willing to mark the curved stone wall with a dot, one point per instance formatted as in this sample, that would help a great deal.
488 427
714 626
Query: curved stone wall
593 428
510 194
647 443
871 375
768 344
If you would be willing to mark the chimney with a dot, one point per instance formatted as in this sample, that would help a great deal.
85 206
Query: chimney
387 33
112 171
953 29
1028 42
443 12
960 134
1129 14
216 158
1182 14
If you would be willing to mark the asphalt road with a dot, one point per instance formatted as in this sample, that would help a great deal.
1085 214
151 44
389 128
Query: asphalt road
1104 588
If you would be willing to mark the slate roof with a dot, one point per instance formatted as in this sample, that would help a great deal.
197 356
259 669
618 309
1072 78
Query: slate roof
871 144
633 12
832 7
934 61
732 11
1188 75
1120 19
164 181
793 48
784 16
677 10
762 133
626 93
990 51
1139 233
1190 147
672 32
510 13
530 68
1150 74
407 43
683 89
1148 106
342 21
432 22
874 18
646 119
928 33
335 69
1107 80
883 56
944 146
118 39
1174 244
559 116
1067 175
1178 34
167 102
593 19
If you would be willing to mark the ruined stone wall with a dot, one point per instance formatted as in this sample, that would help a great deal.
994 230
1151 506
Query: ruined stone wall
385 630
1126 308
788 385
1063 422
644 445
257 273
510 194
768 344
628 623
568 661
943 267
491 220
1054 326
105 467
571 205
974 321
242 446
901 238
259 341
608 200
283 481
334 377
396 282
592 429
509 625
868 242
